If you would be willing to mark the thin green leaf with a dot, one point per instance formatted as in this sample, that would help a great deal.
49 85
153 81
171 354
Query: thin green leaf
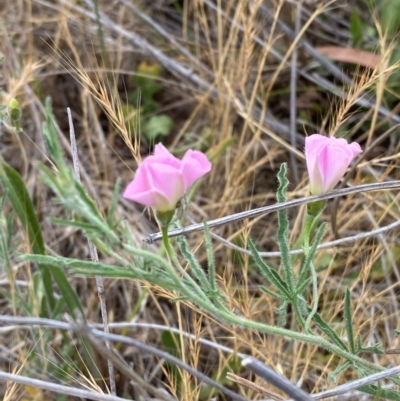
339 369
70 296
301 287
324 326
270 275
60 261
381 393
310 257
114 202
349 320
22 204
73 223
50 136
356 27
196 269
282 314
283 228
373 349
273 294
210 259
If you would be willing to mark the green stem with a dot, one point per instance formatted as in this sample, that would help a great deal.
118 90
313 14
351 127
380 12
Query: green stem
310 219
315 296
297 312
171 253
307 233
230 317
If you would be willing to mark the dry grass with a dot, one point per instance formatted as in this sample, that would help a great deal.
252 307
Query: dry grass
232 100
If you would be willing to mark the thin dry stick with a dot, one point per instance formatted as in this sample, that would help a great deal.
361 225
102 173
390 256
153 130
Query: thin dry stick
175 67
293 96
352 385
324 245
276 207
93 256
331 67
150 350
253 386
30 322
58 388
275 379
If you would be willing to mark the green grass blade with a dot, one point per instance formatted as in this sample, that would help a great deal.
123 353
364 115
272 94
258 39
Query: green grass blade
23 207
22 204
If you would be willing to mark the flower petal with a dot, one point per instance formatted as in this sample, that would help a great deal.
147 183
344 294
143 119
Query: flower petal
156 185
163 155
162 179
194 165
327 161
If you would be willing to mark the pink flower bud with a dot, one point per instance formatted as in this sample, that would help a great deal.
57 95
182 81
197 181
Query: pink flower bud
327 161
161 180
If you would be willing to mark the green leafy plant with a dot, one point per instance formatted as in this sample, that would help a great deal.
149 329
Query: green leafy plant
143 107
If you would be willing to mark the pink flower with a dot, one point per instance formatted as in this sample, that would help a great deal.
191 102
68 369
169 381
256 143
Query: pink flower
161 180
327 161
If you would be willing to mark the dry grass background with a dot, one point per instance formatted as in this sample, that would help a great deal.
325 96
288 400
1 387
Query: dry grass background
226 83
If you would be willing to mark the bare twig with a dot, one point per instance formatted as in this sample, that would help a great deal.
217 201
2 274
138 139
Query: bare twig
345 388
253 386
275 379
276 207
325 245
101 335
30 322
162 31
331 67
93 255
58 388
293 97
173 66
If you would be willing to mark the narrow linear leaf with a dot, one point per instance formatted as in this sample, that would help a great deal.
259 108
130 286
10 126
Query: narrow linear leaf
324 326
283 228
271 275
60 261
196 269
373 349
50 136
114 202
339 369
22 204
105 272
310 257
210 259
73 223
381 393
349 320
282 314
301 287
68 293
273 294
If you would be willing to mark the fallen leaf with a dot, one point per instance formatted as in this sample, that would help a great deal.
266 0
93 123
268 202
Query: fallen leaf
350 55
